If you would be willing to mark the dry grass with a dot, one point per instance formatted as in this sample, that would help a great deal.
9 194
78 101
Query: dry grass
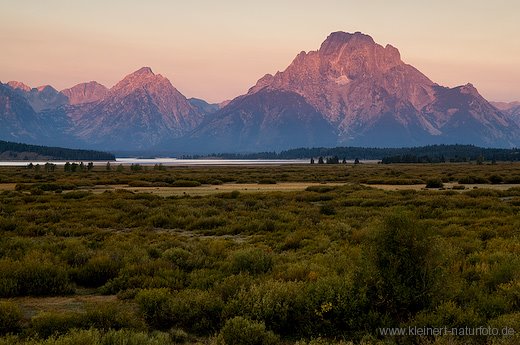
448 185
33 305
213 189
7 186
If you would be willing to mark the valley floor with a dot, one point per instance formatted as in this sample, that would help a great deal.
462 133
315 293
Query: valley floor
321 254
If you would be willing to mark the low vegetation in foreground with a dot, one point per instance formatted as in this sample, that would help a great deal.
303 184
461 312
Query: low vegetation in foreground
331 264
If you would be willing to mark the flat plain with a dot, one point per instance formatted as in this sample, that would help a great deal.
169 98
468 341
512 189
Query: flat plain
312 254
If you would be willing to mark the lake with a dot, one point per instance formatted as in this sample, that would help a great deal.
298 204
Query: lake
171 162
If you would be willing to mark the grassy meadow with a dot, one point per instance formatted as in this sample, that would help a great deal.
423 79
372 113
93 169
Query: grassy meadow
311 254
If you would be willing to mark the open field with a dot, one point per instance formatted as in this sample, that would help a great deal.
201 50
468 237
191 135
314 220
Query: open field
31 306
7 186
446 186
282 254
213 189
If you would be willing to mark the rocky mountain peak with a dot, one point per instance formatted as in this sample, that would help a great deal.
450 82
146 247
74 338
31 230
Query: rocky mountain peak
351 76
469 89
336 40
505 105
47 89
85 93
19 86
143 71
392 52
143 78
144 106
358 53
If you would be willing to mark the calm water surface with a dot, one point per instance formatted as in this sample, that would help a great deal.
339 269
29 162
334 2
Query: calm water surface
171 162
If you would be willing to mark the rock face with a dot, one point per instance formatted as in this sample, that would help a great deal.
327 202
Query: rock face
19 122
266 120
512 109
40 98
137 113
373 98
464 116
515 114
505 106
204 107
351 79
19 86
85 93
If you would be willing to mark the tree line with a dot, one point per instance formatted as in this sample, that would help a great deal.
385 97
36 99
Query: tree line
56 152
430 153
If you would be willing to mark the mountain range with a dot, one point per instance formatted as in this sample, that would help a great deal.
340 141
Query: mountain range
351 91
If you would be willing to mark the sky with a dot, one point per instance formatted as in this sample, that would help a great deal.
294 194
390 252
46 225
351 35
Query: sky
217 50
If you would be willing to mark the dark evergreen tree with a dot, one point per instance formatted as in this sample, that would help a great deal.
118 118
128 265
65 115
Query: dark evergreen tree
57 153
49 167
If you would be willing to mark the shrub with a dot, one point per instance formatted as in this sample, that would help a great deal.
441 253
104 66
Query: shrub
283 306
95 337
448 314
185 183
229 287
161 221
76 195
129 337
434 183
140 183
103 316
496 179
320 189
231 195
33 276
46 324
234 194
254 261
112 315
472 180
197 311
8 224
400 254
156 307
10 318
97 271
147 274
180 257
178 336
242 331
327 210
267 181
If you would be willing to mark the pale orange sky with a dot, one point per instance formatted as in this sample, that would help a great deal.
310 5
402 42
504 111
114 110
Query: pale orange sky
216 50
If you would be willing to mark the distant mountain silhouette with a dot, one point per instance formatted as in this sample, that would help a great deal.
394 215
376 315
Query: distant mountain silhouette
352 91
372 98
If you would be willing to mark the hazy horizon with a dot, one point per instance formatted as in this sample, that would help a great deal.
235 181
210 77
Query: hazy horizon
216 51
